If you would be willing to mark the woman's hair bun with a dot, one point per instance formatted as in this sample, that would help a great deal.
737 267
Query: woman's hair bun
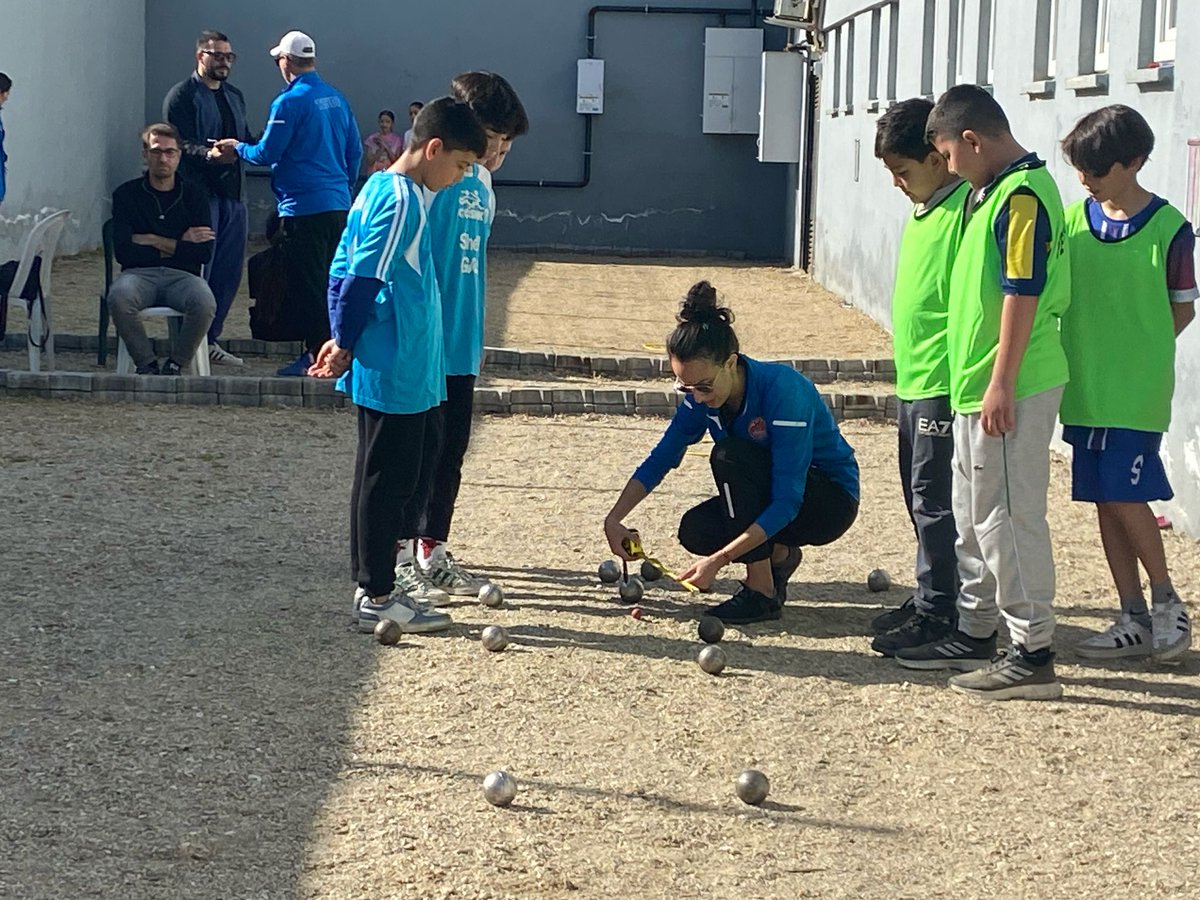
700 306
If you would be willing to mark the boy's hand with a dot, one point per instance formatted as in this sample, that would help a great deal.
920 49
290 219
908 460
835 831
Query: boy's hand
999 412
703 573
616 533
332 361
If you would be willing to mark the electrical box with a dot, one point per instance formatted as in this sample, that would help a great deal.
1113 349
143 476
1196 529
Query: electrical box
782 104
793 14
732 80
589 87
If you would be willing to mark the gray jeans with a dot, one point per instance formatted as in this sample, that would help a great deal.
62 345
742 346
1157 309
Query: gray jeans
138 289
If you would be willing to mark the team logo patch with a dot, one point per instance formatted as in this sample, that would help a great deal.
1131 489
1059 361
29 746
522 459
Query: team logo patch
758 428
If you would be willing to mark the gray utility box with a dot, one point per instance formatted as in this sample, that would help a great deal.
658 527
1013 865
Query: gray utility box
732 79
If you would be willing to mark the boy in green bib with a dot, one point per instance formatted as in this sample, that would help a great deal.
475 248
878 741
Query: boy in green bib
1009 286
1133 282
919 316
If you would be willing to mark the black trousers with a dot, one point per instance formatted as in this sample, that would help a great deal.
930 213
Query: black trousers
392 473
742 470
308 244
456 414
926 452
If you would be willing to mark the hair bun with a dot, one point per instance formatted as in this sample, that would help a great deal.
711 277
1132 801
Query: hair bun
700 306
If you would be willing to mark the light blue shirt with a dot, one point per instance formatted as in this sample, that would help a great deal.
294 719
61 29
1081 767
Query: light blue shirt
399 360
460 223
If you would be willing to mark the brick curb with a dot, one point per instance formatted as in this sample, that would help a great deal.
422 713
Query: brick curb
271 392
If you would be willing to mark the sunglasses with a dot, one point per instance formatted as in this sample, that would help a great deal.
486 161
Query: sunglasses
219 56
703 387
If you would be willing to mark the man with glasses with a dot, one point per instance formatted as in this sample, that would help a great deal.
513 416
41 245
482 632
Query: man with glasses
313 147
206 108
162 237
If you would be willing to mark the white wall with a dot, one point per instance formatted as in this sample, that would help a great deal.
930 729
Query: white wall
72 122
858 222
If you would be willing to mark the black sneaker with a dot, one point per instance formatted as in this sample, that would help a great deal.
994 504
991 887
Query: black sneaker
894 618
920 629
170 367
1014 675
784 571
957 651
746 606
150 368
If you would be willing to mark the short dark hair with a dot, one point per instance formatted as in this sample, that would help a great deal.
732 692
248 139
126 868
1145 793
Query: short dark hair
5 83
387 112
209 36
494 101
705 329
160 129
453 122
966 107
901 130
1111 134
417 103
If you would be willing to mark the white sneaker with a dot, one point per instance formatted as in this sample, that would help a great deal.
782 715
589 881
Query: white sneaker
414 582
360 594
1123 638
219 356
410 614
1172 630
444 572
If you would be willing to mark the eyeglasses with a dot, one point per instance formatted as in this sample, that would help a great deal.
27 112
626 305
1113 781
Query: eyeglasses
703 387
163 151
218 56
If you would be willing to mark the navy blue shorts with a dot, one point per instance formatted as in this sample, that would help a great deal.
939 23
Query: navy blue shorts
1116 465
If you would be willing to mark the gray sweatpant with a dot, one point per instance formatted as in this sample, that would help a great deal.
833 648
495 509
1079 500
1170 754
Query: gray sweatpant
1005 561
138 289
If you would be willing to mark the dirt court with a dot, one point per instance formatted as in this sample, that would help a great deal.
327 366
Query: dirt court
188 713
589 304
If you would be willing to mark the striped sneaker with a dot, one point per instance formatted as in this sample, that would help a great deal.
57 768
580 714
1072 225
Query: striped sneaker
958 651
1172 632
1123 638
410 614
360 594
444 572
1013 675
414 582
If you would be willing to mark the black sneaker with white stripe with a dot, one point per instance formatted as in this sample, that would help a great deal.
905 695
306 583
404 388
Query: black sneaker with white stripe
957 651
1014 675
894 618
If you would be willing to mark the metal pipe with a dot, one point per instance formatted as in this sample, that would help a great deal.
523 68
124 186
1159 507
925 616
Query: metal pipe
720 12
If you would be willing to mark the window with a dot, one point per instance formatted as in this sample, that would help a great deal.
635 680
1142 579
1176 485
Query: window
1100 58
850 66
1164 30
954 46
927 48
873 63
893 20
1045 55
985 66
836 105
1052 44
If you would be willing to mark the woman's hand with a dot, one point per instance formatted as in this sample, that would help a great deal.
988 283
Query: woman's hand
617 534
703 573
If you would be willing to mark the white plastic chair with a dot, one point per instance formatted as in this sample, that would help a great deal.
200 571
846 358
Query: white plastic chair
199 364
42 241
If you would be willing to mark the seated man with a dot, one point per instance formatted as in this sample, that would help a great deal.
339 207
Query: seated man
163 236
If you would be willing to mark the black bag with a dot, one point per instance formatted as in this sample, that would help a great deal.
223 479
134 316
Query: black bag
31 293
266 273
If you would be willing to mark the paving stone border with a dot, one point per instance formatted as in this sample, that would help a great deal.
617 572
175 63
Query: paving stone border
271 392
504 360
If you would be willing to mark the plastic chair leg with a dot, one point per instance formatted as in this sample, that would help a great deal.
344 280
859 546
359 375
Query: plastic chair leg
102 336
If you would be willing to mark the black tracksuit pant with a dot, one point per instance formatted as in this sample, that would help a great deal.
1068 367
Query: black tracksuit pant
393 471
308 244
456 412
742 471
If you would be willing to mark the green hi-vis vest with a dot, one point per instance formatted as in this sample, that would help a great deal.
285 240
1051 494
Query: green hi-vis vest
1119 334
976 299
921 296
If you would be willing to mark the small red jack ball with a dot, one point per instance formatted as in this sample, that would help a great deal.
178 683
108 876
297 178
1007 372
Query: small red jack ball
636 612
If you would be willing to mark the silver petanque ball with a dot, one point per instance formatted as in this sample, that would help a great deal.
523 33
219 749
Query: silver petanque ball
494 638
752 787
712 659
878 581
631 590
650 572
491 595
499 788
609 571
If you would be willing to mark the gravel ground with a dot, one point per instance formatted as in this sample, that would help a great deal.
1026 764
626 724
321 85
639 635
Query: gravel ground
188 714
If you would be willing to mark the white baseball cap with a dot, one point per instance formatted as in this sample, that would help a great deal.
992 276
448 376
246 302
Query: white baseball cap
295 43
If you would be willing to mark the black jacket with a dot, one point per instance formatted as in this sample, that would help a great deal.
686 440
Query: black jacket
139 209
192 108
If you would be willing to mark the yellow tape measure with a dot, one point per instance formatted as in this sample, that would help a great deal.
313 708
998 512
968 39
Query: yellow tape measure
633 546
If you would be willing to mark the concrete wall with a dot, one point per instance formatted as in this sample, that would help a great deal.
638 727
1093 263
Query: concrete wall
859 219
657 181
69 144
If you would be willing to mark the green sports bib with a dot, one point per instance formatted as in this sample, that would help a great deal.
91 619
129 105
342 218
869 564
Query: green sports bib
1119 334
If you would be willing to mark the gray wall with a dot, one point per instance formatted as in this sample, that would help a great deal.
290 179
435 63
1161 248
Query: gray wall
657 181
69 146
859 221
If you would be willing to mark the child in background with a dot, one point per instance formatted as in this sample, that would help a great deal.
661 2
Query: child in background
1133 283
